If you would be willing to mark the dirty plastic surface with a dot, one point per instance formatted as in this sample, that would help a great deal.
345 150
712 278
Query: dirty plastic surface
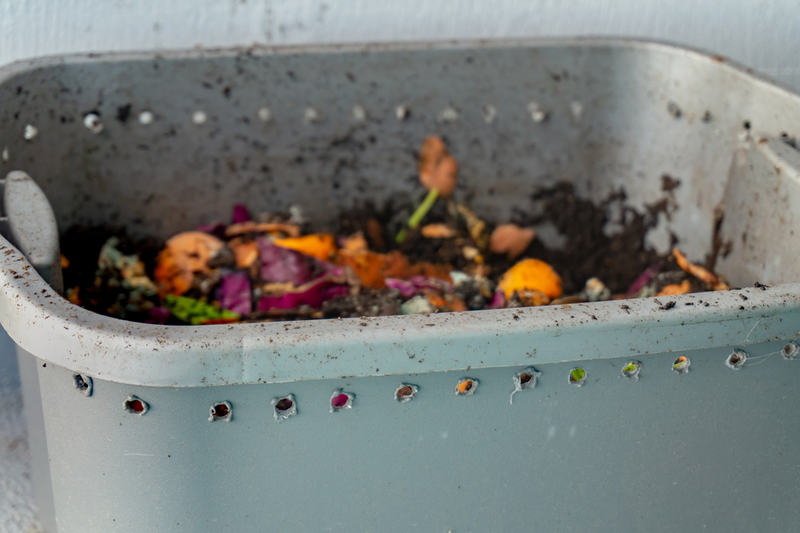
669 451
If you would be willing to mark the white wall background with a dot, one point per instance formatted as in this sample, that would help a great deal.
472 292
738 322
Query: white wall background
762 34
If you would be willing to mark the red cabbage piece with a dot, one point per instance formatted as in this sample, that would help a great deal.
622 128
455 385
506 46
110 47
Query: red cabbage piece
234 293
240 214
644 279
409 287
282 265
311 294
498 300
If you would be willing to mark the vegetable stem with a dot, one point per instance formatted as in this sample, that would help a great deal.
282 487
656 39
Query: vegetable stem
417 216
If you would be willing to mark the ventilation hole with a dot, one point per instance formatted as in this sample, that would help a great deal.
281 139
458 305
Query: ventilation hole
631 369
681 364
341 400
83 384
448 114
30 132
359 113
466 386
93 123
524 379
577 110
146 117
220 411
746 124
264 114
311 115
577 376
489 113
5 155
405 392
537 113
736 359
135 405
790 350
707 117
199 117
284 407
402 112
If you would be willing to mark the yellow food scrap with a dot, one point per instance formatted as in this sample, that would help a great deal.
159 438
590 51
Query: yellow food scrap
531 275
674 289
319 245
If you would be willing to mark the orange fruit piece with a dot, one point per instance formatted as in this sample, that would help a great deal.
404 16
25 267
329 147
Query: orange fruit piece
673 289
184 255
319 245
531 275
244 250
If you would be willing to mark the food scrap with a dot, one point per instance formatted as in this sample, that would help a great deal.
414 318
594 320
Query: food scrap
279 266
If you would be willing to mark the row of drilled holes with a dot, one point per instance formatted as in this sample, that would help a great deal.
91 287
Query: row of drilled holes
93 122
286 406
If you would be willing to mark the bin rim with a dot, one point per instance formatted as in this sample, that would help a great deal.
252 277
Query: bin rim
45 324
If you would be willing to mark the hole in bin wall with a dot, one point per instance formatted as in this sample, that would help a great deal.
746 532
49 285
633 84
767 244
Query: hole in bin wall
220 411
341 400
790 350
134 404
523 380
405 392
466 386
631 370
284 407
736 359
83 383
577 376
681 364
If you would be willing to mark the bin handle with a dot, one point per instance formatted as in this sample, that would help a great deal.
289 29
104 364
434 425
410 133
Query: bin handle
27 220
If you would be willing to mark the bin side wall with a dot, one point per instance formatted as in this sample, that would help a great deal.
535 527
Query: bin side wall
668 452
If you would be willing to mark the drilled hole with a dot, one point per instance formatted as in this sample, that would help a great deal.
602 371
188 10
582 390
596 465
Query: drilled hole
285 407
220 411
405 392
466 386
790 350
30 132
83 384
264 114
577 376
524 379
136 405
681 364
199 117
146 117
736 359
341 400
631 369
92 122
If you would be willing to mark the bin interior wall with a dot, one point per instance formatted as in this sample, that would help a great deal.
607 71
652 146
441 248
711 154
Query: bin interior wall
617 115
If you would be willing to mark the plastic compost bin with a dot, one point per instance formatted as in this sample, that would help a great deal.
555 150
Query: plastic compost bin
118 412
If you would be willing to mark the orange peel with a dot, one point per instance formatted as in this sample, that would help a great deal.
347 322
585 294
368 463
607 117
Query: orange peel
531 275
674 289
319 245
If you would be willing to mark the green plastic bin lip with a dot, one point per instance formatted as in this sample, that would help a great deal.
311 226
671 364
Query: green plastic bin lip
58 332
